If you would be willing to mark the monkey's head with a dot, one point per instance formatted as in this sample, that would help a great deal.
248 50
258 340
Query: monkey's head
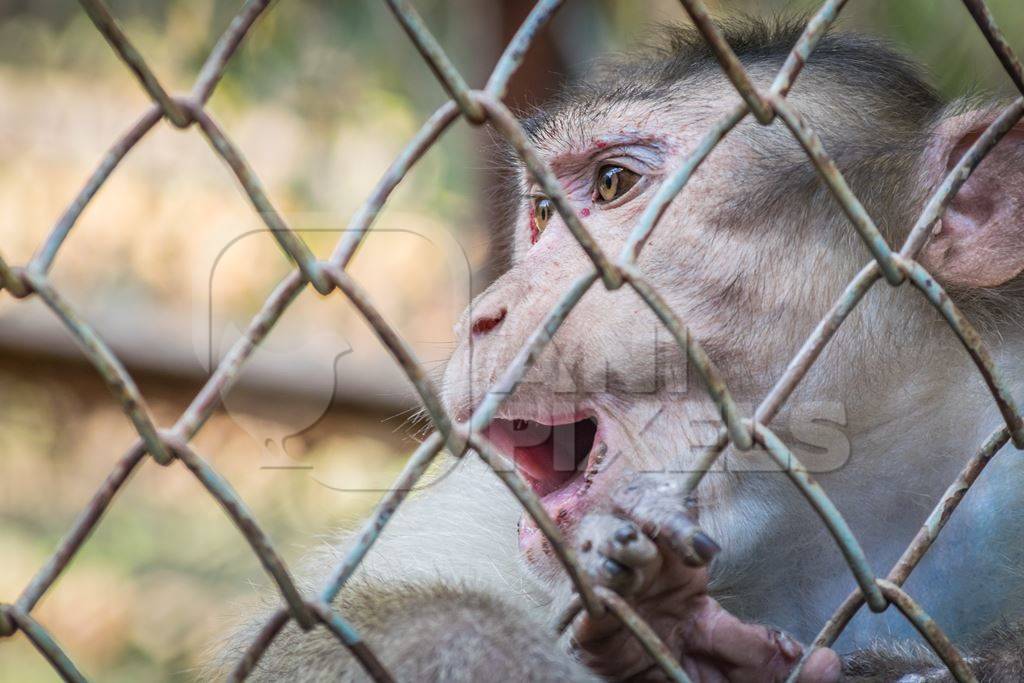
750 255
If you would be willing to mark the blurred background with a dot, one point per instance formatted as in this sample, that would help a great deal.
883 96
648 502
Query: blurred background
169 263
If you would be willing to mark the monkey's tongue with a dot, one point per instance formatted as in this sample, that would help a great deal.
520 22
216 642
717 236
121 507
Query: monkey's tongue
549 455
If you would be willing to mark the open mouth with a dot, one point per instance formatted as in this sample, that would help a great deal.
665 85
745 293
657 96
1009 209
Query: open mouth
552 457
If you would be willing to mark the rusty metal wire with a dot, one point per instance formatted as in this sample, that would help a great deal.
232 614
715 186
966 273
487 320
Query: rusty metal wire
485 107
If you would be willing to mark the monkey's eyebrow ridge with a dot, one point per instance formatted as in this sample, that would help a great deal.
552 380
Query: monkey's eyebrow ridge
643 153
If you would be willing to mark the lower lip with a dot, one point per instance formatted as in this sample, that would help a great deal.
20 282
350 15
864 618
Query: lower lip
559 505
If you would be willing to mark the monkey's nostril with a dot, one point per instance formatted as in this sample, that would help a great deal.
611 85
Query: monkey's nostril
486 323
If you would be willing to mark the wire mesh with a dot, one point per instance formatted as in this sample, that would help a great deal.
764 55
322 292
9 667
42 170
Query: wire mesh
485 107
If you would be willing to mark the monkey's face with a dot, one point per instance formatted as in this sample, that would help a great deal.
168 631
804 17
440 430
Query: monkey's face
612 390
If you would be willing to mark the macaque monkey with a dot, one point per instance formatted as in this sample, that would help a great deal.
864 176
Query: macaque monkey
751 255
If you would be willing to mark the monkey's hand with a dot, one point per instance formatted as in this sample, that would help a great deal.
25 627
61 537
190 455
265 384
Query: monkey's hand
648 548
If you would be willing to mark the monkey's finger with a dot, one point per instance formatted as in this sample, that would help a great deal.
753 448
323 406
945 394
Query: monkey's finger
614 552
655 496
627 545
749 652
679 534
659 504
823 666
616 576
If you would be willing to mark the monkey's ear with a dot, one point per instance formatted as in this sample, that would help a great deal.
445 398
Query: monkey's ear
979 242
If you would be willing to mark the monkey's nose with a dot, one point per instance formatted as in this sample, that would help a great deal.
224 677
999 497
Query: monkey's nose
486 322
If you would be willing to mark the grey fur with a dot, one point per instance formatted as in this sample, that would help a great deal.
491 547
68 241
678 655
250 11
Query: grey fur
998 658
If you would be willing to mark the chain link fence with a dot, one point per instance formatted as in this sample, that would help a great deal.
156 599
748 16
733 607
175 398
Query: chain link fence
485 107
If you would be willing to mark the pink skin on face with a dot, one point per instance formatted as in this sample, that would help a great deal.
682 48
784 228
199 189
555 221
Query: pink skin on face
568 499
565 501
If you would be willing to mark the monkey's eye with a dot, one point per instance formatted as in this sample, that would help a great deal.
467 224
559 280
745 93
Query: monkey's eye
613 182
543 209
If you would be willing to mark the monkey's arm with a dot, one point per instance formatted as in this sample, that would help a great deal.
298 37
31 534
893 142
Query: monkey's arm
426 632
440 596
999 657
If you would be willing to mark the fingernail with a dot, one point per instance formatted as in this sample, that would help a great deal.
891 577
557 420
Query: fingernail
705 547
613 568
625 534
789 647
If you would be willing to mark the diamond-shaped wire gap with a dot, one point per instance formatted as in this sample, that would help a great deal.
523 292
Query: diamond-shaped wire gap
290 242
926 535
728 60
44 643
997 41
209 76
363 219
505 123
43 258
431 400
514 373
510 476
186 427
221 490
120 383
418 464
829 172
405 357
436 58
225 372
947 505
107 25
829 514
929 630
678 178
